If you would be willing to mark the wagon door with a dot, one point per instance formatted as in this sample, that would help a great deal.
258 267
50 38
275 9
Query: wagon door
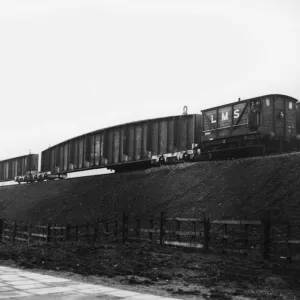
255 115
279 117
290 109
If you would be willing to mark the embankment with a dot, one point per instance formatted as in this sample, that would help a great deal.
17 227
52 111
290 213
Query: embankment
243 187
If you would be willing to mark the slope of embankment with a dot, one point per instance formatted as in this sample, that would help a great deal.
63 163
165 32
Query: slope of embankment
238 187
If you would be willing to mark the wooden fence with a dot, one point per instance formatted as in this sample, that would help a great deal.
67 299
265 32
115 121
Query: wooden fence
175 231
89 233
269 239
259 236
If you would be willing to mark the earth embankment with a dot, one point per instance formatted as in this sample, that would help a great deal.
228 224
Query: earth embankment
244 187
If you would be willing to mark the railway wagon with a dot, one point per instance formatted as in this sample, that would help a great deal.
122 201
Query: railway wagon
18 166
298 118
126 146
269 121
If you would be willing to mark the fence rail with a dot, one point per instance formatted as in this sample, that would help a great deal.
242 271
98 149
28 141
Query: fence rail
244 236
236 222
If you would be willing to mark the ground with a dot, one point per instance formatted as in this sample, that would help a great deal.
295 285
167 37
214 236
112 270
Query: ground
161 271
243 188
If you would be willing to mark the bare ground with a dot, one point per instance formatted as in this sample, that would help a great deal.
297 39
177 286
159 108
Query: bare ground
162 271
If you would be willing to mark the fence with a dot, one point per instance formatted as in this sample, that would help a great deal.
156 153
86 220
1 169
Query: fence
89 233
244 236
261 236
169 231
236 235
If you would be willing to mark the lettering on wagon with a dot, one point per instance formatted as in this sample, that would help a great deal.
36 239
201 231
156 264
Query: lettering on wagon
224 116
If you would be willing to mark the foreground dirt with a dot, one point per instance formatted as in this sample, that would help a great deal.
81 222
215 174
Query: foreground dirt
161 271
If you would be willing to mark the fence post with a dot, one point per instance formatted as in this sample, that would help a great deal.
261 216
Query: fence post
67 232
225 233
206 232
116 230
138 228
95 233
151 227
289 237
266 234
106 231
14 229
1 228
29 231
194 229
124 228
263 150
48 233
177 229
246 241
52 231
161 232
127 227
62 233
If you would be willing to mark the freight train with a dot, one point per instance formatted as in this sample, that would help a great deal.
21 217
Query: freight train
22 165
265 124
255 126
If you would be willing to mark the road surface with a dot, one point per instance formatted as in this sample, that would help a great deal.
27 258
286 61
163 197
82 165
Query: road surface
18 284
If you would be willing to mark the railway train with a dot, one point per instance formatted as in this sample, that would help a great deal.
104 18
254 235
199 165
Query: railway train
269 123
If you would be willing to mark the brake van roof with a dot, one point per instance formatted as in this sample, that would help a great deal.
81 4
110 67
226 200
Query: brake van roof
250 99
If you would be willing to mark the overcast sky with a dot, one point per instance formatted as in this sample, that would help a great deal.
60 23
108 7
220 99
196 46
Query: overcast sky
70 67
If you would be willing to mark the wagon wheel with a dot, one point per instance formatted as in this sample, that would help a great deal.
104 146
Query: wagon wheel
161 161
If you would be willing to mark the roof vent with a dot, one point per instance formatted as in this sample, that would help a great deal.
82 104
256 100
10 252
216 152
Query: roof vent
185 110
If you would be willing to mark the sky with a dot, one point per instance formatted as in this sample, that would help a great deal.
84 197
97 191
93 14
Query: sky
68 67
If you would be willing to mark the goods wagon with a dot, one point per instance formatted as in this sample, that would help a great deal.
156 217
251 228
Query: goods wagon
267 120
124 146
18 166
298 118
